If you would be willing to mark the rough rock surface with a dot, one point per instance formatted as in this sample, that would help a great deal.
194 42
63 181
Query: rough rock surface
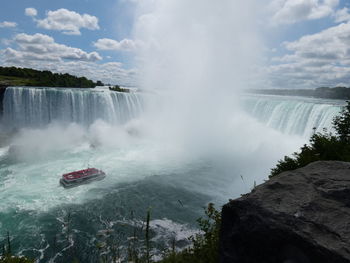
298 216
2 93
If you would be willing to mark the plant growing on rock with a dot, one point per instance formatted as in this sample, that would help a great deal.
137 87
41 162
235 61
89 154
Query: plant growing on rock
205 245
7 256
322 146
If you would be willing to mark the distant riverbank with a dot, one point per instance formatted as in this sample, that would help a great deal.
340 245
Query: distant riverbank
339 93
12 76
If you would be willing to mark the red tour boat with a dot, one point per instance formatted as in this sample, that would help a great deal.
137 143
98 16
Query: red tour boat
81 177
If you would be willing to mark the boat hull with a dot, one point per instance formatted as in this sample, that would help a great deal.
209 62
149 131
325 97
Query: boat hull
82 181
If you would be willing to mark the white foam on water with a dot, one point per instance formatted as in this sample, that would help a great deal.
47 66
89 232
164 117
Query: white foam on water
41 156
169 230
3 151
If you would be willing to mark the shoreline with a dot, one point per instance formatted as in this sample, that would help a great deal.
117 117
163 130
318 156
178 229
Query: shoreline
337 93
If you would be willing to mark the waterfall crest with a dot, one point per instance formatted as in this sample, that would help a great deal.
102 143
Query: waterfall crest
36 107
293 115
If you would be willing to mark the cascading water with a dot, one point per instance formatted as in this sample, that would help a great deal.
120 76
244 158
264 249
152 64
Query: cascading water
36 107
190 149
293 115
141 171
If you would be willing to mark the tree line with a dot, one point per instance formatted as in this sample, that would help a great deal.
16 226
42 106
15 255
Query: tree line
340 93
45 78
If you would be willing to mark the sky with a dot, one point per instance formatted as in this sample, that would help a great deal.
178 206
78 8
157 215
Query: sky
306 43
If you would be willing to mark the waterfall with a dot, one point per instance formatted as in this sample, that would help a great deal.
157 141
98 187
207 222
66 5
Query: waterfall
293 115
35 107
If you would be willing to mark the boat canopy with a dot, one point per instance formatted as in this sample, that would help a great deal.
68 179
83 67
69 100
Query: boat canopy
80 174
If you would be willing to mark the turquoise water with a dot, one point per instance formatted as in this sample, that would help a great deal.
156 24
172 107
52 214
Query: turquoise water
35 208
175 179
36 107
293 115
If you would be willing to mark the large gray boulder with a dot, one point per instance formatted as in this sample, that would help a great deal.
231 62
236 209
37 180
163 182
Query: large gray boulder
297 216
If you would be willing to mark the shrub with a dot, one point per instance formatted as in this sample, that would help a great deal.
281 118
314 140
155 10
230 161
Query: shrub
7 257
322 146
205 245
13 259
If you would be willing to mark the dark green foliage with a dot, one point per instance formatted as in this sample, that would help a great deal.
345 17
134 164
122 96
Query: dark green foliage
119 89
6 256
147 237
341 93
12 259
8 251
99 83
13 76
322 146
205 246
341 124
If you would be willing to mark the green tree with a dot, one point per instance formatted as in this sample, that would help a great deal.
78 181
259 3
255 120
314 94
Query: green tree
205 245
322 146
341 124
31 77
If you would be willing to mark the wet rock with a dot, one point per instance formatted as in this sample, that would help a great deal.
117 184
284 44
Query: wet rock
2 94
298 216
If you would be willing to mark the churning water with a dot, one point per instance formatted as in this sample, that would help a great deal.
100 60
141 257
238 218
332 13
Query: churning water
196 142
65 130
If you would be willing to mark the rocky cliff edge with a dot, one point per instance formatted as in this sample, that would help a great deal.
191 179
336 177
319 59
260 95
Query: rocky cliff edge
298 216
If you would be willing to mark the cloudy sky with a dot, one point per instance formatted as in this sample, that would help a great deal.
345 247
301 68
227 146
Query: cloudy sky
307 42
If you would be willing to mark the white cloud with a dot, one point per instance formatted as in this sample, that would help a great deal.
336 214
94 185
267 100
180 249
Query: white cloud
7 24
315 60
292 11
108 73
342 15
301 75
30 11
330 45
69 22
110 44
41 52
41 47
